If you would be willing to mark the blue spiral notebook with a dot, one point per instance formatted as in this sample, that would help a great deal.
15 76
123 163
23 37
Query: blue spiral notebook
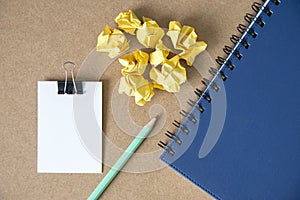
242 140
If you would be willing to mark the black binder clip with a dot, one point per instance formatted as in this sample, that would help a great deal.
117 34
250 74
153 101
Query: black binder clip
69 87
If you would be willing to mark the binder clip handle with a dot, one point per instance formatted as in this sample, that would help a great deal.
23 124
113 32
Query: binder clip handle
69 87
72 74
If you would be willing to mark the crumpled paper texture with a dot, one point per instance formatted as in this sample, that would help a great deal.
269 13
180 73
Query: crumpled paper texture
112 41
159 56
185 38
137 86
171 75
150 33
134 63
128 22
166 73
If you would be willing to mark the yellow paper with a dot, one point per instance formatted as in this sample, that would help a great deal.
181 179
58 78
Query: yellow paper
128 22
134 63
194 50
185 39
137 86
182 37
112 41
158 86
150 33
170 77
160 54
125 87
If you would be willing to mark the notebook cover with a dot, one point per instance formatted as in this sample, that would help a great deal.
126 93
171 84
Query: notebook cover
257 155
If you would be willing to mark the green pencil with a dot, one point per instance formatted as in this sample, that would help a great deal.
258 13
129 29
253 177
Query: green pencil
122 160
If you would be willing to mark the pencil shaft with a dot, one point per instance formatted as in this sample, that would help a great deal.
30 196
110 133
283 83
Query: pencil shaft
120 163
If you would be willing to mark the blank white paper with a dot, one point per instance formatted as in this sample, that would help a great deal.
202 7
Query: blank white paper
69 129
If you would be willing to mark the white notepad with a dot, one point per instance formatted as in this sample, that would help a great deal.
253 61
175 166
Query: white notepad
69 129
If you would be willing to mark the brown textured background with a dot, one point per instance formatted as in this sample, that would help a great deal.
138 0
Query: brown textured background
36 37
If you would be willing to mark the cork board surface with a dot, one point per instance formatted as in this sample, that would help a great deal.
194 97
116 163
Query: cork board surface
37 36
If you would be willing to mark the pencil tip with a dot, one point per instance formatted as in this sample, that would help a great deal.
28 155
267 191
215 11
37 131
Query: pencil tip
152 122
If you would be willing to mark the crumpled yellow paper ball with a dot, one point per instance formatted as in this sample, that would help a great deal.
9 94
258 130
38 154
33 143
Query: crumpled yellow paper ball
134 63
160 54
170 77
150 33
112 41
128 22
185 39
137 86
182 37
194 50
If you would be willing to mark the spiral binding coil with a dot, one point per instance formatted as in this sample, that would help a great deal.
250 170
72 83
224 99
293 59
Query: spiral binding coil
236 40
